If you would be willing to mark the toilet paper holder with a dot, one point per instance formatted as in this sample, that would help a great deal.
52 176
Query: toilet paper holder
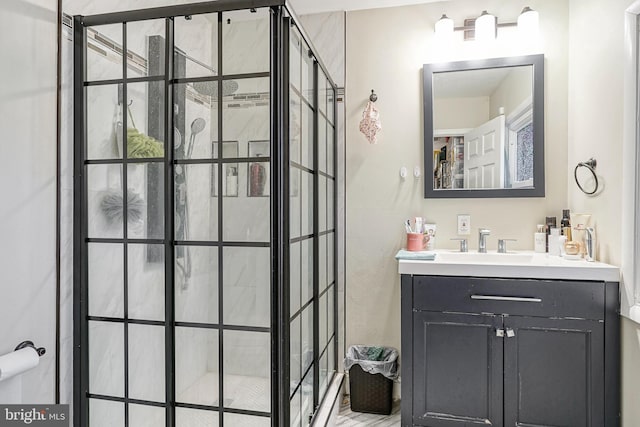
24 344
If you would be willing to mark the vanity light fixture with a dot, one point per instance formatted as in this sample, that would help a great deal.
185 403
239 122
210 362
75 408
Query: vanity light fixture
485 27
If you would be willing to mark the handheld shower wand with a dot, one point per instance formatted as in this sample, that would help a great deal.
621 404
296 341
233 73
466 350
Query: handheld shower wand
197 126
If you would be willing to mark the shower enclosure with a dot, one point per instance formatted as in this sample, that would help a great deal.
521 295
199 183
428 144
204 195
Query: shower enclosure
204 218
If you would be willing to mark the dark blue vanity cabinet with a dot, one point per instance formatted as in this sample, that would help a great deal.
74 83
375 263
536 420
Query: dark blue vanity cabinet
509 352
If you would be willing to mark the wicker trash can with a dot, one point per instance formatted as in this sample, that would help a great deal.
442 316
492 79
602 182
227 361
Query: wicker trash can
371 381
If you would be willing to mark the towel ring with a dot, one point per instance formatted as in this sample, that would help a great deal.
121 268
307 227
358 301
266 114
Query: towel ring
591 165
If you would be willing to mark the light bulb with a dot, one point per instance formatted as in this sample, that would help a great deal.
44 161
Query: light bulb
528 23
444 27
486 27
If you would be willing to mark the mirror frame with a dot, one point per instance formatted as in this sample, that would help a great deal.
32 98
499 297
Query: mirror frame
537 61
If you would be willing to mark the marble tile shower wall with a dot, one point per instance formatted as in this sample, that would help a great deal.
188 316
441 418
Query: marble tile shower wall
246 271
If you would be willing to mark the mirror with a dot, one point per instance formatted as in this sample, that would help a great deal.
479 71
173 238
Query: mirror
484 128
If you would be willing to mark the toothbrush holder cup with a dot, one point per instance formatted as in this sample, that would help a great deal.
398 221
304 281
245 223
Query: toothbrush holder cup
417 241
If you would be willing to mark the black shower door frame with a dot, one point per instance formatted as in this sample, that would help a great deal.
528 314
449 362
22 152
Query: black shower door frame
282 17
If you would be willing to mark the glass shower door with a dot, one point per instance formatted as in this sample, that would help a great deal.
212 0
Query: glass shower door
302 239
222 220
122 165
177 268
312 295
177 253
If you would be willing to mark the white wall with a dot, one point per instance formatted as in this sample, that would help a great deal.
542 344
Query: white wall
28 33
595 116
595 113
386 49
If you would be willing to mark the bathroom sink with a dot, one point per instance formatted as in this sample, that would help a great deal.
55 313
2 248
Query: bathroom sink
485 258
513 264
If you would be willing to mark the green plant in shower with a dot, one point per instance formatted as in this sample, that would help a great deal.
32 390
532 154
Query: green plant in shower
140 145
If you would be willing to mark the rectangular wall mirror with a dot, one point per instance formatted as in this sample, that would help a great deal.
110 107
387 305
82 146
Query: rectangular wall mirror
484 128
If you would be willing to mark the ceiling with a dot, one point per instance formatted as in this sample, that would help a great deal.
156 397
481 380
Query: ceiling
303 7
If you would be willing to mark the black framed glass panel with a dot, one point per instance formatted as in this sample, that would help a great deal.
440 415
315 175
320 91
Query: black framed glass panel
179 154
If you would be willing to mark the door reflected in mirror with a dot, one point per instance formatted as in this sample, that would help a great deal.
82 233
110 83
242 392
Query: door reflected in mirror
484 128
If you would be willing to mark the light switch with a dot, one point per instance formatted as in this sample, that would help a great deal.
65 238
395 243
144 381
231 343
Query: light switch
464 225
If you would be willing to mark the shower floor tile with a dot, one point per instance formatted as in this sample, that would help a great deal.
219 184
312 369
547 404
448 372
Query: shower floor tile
241 392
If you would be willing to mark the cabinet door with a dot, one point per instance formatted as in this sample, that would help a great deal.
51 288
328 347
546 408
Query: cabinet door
457 370
554 373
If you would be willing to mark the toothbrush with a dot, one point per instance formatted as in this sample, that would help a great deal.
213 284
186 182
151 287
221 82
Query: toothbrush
418 222
407 226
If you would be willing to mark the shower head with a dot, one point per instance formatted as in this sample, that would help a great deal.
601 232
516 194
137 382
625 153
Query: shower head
197 126
229 87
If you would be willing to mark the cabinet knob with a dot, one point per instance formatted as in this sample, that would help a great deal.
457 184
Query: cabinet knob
500 333
510 333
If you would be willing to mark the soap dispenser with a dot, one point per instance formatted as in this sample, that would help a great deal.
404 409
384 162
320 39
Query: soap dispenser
554 242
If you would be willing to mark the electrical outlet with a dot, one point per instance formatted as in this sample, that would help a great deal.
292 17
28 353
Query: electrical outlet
464 225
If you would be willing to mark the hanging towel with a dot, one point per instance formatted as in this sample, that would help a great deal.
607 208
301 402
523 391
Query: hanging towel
370 124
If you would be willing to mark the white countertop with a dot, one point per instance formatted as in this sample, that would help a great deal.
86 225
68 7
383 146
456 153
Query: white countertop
521 264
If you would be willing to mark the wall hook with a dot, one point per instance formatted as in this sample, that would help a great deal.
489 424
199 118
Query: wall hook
403 173
121 96
373 97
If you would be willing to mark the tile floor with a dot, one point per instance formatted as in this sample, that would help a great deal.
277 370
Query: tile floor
346 418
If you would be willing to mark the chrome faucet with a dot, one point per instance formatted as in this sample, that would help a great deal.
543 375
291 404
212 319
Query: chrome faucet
482 240
502 245
464 247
